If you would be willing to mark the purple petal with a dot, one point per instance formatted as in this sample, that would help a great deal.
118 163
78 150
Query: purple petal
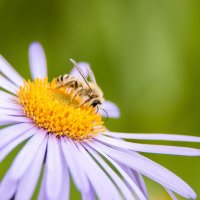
6 96
75 168
6 119
10 133
160 149
9 147
26 156
66 181
120 184
9 72
37 61
172 195
54 170
10 105
12 112
137 178
7 85
93 177
149 168
135 188
17 127
7 187
103 186
90 195
150 136
42 193
84 67
26 187
109 109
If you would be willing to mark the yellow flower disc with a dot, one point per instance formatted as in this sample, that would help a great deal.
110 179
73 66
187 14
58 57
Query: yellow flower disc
54 110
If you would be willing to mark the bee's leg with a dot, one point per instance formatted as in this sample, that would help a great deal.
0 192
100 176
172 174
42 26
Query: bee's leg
86 101
91 74
78 91
72 84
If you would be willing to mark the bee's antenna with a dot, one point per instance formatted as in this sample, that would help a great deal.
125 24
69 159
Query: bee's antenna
107 116
80 72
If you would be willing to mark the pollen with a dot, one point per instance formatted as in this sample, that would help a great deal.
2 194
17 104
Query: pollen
55 110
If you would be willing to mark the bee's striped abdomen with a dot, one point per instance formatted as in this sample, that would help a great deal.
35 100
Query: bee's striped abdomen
63 78
68 81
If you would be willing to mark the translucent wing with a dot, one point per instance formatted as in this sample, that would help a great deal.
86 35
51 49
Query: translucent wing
91 75
80 72
85 70
84 67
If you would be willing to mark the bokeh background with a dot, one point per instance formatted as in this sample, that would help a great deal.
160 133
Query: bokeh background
145 55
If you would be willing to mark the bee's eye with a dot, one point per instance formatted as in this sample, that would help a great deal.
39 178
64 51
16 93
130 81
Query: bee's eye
95 103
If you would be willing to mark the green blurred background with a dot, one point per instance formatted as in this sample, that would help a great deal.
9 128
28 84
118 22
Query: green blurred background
145 55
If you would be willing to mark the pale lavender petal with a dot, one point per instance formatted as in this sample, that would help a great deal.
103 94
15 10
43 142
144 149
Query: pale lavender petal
83 176
137 178
37 61
26 156
54 170
16 128
141 183
7 119
92 176
148 168
98 177
159 149
63 175
66 180
13 112
90 195
42 192
10 105
28 182
135 187
7 85
128 171
8 185
171 194
120 184
93 173
109 109
154 136
6 96
84 67
7 188
10 133
75 168
9 72
9 147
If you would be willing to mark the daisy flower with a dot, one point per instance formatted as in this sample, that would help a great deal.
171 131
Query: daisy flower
70 141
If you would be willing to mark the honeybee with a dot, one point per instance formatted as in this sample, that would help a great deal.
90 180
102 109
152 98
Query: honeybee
88 90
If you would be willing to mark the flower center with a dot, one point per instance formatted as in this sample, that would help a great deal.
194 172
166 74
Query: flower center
55 110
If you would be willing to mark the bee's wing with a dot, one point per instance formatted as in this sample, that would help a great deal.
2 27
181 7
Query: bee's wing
80 72
91 74
84 68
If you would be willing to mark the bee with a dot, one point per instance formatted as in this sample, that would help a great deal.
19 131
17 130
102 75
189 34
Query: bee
88 90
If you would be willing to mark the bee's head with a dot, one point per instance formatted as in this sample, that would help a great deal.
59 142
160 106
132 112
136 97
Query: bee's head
95 103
